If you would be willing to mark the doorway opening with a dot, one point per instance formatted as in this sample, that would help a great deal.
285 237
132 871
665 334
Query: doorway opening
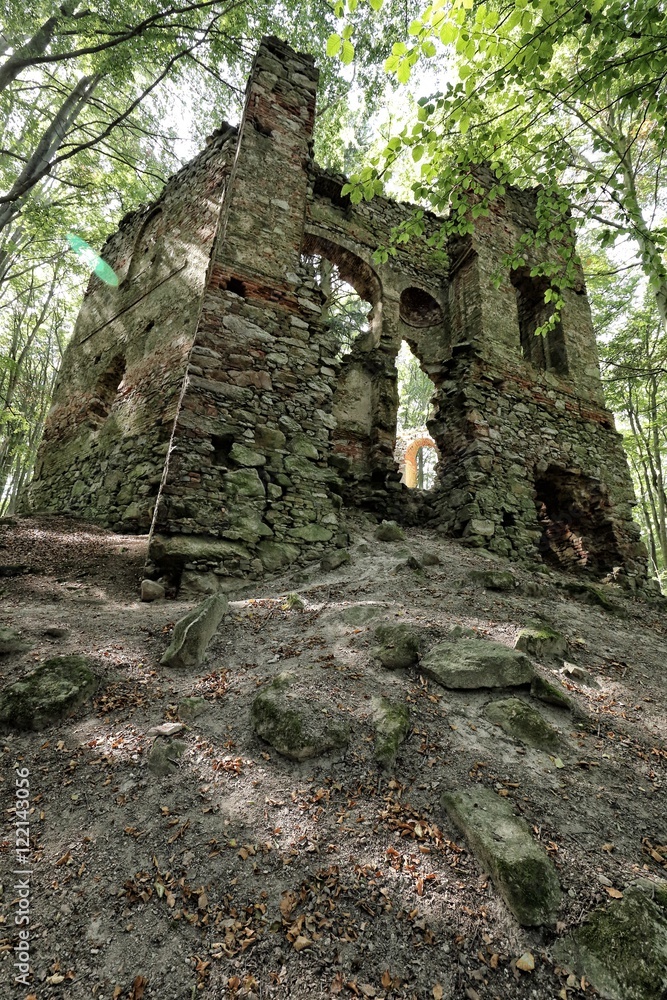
576 533
416 452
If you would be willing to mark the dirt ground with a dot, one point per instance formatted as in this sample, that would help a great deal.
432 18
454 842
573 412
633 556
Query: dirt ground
244 874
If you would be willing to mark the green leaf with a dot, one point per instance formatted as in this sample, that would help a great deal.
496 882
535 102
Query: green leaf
334 43
448 33
403 73
417 153
375 4
347 55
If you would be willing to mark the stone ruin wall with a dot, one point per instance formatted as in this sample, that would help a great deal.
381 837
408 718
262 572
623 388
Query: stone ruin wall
238 436
117 394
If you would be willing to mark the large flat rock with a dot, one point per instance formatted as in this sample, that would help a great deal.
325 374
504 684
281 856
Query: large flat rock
521 870
622 949
476 663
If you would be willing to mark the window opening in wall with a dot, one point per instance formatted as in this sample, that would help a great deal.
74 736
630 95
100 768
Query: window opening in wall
146 248
544 351
347 314
106 390
416 452
576 531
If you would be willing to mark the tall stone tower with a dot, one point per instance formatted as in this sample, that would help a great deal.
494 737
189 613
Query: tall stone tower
202 399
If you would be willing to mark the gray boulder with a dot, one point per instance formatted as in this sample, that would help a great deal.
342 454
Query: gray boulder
397 646
494 579
541 641
521 870
389 531
164 756
48 694
476 663
622 948
295 725
392 725
193 633
11 641
522 722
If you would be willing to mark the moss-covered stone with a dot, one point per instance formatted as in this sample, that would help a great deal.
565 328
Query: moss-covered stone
523 722
11 641
246 456
476 663
48 694
549 693
276 555
541 641
494 579
334 560
389 531
587 593
622 949
359 614
193 633
521 870
191 708
392 725
397 646
164 756
312 533
298 727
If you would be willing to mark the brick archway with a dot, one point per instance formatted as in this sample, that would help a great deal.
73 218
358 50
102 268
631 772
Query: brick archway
406 456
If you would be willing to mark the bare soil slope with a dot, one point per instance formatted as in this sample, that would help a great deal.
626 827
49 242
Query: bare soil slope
245 874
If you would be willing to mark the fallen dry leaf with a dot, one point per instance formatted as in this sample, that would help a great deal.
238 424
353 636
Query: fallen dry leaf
438 992
386 979
614 893
526 963
302 942
138 986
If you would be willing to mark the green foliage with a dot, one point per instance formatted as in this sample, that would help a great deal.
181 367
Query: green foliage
567 95
415 391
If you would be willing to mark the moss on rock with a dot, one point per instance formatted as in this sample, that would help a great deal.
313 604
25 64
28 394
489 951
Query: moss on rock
541 641
397 646
622 949
392 725
48 694
389 531
296 726
523 722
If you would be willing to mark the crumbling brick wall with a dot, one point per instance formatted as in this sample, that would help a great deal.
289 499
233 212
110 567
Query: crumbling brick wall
237 431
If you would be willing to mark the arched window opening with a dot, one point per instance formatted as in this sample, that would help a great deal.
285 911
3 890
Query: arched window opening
576 532
348 315
416 452
147 245
419 309
546 352
106 391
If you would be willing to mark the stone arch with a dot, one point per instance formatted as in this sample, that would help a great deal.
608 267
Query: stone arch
146 245
407 462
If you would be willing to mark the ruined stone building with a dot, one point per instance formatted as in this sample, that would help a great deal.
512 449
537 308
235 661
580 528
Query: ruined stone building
202 398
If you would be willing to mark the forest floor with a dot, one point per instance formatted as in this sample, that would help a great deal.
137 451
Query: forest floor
244 874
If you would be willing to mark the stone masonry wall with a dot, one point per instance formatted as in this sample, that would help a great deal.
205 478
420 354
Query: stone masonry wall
118 391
